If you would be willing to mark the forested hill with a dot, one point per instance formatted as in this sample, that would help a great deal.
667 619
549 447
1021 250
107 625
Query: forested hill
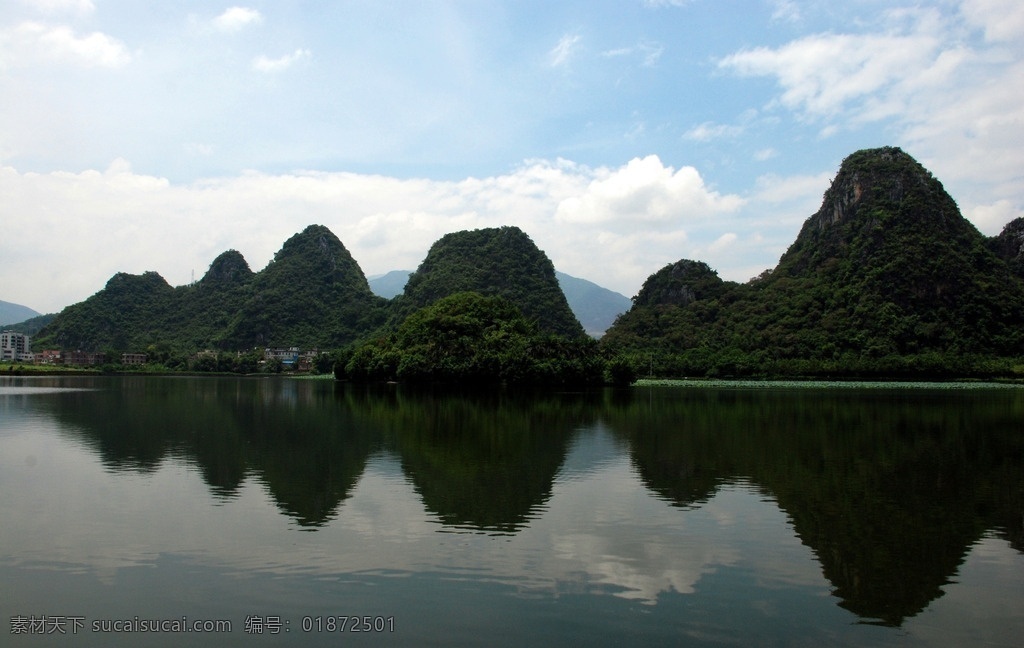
886 277
500 261
312 294
1009 246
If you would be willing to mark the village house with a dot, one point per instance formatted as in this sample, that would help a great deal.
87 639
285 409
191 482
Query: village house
289 357
84 358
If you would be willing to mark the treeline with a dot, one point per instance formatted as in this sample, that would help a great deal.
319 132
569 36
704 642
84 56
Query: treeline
474 339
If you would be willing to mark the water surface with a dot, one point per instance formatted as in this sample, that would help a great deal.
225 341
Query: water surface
657 516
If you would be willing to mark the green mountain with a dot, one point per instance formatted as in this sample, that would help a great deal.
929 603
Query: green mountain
594 306
130 312
312 294
1009 246
501 261
15 313
887 277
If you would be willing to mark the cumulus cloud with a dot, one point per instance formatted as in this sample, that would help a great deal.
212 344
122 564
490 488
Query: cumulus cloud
237 18
610 225
644 191
31 41
264 64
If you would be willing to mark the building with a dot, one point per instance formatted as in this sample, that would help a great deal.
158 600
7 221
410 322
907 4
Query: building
84 358
49 357
133 358
15 347
288 357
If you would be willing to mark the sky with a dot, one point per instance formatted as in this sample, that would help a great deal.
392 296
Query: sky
621 135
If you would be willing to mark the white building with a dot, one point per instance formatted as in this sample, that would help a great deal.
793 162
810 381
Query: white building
287 356
15 347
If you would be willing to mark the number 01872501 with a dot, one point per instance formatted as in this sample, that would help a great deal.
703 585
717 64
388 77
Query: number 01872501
341 623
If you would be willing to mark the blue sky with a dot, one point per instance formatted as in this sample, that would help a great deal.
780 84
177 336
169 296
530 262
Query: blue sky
621 136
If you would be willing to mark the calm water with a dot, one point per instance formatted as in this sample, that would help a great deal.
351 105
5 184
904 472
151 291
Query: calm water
661 516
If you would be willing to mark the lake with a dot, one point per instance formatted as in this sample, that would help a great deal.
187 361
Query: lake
165 511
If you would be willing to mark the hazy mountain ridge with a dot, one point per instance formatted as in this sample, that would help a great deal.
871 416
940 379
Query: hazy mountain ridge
11 313
390 284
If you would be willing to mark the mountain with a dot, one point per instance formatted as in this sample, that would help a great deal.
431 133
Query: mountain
500 261
15 313
594 306
389 285
31 326
887 276
130 311
1009 246
312 294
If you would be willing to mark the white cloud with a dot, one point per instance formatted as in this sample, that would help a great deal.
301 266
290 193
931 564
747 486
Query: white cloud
666 3
822 75
710 131
264 64
990 219
32 41
772 188
236 18
1001 20
644 191
610 225
649 53
561 53
765 154
785 11
950 98
723 242
60 6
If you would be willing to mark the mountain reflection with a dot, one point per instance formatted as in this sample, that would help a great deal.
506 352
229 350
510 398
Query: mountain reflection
482 460
303 444
888 488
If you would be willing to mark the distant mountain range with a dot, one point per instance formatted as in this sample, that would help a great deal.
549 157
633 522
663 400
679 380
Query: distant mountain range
594 306
15 313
